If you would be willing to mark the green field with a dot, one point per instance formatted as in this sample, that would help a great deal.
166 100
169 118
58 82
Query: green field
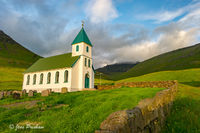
11 78
83 111
185 114
188 76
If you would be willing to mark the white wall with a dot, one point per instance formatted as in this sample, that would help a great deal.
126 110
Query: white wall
54 86
82 49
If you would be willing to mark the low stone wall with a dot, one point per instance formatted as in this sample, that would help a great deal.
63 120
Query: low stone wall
148 116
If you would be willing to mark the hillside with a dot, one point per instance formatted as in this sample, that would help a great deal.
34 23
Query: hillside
180 59
118 67
12 54
188 77
14 59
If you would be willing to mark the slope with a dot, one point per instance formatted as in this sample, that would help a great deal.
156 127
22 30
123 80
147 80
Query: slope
180 59
14 59
12 54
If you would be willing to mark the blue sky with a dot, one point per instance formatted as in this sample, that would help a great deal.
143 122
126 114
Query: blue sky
120 30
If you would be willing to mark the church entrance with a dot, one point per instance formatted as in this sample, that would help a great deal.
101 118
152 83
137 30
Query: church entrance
87 81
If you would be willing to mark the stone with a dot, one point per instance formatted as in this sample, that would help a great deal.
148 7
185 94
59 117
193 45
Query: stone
19 92
1 95
117 121
30 93
9 93
64 90
24 92
16 95
45 93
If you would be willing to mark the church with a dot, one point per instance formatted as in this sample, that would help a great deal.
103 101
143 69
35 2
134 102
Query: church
71 70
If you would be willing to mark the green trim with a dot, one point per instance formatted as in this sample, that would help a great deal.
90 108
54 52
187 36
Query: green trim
77 48
85 62
82 37
88 62
65 81
75 61
93 69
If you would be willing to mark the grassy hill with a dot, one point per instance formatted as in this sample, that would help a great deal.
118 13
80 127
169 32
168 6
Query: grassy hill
12 54
180 59
188 76
14 59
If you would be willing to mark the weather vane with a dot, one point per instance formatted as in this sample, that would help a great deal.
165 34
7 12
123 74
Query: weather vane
82 23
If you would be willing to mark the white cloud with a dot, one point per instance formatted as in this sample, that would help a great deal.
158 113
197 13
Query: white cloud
164 16
165 43
101 10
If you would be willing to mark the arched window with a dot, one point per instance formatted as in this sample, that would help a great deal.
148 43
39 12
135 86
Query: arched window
49 78
87 49
41 78
77 48
34 79
28 80
88 62
57 77
85 61
66 76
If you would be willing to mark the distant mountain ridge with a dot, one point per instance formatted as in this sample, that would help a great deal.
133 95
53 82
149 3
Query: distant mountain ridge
13 54
184 58
116 68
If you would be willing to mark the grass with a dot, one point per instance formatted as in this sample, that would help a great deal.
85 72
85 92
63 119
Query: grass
188 76
84 111
180 59
11 78
185 115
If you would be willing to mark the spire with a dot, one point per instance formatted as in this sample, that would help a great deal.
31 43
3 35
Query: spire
82 37
82 23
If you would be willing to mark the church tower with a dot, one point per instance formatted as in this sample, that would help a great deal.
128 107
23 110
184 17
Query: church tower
82 47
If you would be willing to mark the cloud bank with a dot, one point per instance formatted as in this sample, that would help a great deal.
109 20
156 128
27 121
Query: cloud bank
48 28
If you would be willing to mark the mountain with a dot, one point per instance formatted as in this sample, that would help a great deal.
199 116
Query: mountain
12 54
184 58
14 60
118 67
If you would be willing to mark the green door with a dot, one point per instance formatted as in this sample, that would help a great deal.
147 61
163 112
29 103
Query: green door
87 81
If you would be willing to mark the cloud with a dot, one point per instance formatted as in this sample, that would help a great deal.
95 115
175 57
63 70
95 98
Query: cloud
166 15
101 11
163 16
48 28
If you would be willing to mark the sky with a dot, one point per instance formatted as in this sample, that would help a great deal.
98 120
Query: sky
120 30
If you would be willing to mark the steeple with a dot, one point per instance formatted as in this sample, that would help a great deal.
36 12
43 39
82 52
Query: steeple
82 37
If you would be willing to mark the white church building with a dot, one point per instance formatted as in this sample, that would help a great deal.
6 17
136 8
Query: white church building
71 70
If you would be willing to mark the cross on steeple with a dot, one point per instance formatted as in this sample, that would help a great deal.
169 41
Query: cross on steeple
82 23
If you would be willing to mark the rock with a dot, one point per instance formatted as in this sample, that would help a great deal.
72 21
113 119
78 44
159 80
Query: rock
19 92
64 90
16 95
30 93
5 93
1 95
9 93
24 92
45 93
117 121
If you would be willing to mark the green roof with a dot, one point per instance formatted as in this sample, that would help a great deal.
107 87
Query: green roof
53 62
82 37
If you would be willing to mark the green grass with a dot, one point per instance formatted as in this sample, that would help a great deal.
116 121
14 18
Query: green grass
185 114
84 113
180 59
189 76
11 78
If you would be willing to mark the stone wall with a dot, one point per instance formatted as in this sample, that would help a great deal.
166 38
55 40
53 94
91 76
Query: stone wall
148 116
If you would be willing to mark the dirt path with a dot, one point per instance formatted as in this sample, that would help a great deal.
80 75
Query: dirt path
26 104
